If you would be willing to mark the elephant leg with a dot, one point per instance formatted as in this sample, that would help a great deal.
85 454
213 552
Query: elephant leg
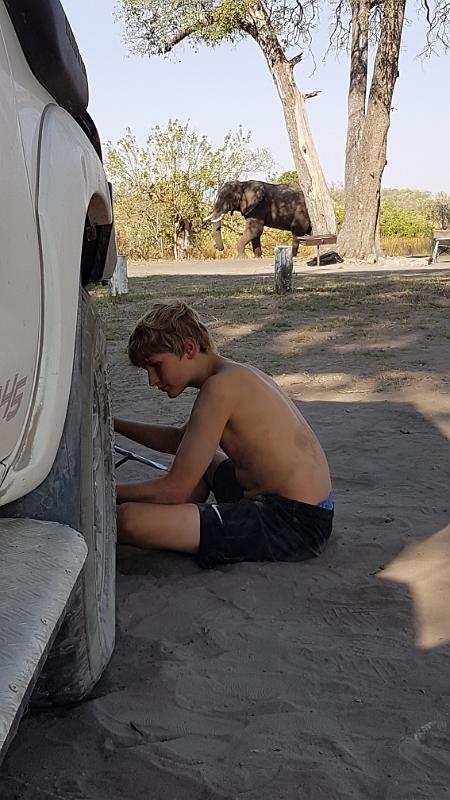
253 230
256 244
295 244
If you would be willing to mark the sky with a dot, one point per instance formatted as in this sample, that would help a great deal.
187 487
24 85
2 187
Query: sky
219 90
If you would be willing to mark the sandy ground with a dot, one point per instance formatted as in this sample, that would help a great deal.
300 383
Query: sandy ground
312 681
265 266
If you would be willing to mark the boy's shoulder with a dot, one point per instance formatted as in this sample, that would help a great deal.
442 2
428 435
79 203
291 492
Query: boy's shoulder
229 371
231 376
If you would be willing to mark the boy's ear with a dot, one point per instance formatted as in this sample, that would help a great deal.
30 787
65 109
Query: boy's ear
190 347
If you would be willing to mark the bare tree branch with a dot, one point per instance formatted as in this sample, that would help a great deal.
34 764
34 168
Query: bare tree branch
296 60
340 31
438 21
428 12
181 35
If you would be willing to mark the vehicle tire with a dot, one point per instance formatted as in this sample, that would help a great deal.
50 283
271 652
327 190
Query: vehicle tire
79 491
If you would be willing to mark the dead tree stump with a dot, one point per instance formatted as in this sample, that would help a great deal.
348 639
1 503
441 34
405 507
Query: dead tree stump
283 269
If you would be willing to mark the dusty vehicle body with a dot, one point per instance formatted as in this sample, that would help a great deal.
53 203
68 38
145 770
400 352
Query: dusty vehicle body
57 522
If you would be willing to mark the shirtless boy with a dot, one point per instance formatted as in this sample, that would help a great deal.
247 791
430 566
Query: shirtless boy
245 441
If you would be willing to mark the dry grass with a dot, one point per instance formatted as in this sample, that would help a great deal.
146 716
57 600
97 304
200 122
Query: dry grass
403 246
317 304
340 334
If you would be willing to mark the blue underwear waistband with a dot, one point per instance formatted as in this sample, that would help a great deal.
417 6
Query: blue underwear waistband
327 503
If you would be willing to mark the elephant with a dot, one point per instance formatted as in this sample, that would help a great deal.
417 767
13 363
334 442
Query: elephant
280 206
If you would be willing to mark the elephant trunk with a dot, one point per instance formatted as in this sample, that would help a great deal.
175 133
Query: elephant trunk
217 225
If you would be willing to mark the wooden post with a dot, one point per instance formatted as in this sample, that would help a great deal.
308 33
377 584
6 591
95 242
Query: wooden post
119 280
283 269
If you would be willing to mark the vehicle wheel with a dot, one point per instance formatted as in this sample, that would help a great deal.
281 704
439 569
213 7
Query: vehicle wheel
79 491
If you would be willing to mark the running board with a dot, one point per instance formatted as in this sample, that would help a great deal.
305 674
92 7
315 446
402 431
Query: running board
39 566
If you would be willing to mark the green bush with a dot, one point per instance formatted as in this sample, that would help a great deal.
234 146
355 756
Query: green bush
395 221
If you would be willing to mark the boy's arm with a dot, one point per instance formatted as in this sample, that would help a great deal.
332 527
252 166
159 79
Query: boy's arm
210 414
163 438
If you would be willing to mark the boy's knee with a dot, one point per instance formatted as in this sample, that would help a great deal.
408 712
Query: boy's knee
126 523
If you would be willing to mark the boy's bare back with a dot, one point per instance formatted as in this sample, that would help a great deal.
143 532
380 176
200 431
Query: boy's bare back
272 446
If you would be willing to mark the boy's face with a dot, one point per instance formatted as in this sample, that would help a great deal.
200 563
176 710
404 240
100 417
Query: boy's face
169 373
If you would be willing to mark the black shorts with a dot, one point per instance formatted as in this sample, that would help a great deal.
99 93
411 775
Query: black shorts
263 528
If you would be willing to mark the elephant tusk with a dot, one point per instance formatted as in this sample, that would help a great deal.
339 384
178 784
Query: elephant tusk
218 219
208 218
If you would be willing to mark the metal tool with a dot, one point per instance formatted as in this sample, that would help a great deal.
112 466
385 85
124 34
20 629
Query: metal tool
128 455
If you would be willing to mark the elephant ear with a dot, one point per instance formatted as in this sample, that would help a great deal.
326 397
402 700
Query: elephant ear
252 196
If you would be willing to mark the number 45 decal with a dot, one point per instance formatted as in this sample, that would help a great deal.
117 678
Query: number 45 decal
11 398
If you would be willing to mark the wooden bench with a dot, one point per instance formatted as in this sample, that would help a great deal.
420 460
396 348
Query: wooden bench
441 244
317 241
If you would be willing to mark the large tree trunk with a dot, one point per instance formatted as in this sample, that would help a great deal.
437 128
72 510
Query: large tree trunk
311 178
368 129
312 181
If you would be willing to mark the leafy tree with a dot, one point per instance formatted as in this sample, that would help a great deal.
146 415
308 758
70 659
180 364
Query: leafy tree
411 224
288 177
405 213
408 199
158 26
440 211
337 196
164 189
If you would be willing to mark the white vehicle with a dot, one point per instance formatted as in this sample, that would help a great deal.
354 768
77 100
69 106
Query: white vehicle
57 510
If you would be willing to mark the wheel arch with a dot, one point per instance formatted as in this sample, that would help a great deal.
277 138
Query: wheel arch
98 254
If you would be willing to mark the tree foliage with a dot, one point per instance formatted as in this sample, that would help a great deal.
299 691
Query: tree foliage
169 184
408 199
412 224
405 213
435 15
290 176
155 27
440 211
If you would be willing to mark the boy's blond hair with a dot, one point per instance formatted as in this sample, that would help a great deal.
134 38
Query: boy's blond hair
165 329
